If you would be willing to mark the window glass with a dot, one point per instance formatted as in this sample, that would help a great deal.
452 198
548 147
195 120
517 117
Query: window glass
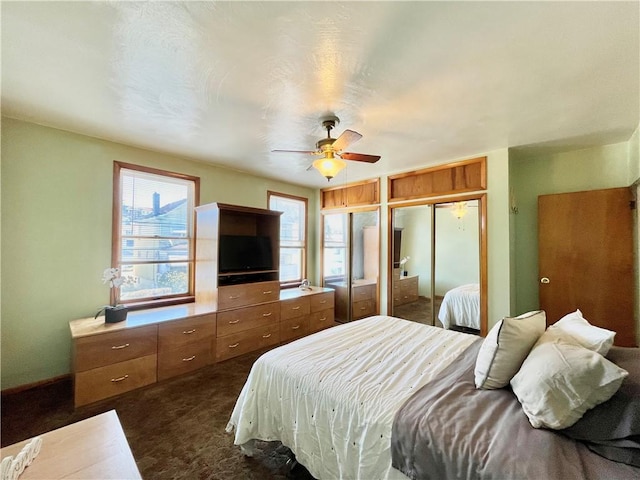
293 231
155 247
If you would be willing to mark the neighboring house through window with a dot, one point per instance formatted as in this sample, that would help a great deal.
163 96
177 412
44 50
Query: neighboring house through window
293 236
153 234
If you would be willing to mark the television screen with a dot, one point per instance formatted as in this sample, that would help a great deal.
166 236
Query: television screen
244 253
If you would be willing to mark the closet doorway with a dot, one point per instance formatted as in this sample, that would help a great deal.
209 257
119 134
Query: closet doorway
437 253
350 262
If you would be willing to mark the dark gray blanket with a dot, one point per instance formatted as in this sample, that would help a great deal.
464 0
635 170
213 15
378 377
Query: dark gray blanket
450 430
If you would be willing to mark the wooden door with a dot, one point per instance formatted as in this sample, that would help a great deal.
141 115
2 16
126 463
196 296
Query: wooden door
585 249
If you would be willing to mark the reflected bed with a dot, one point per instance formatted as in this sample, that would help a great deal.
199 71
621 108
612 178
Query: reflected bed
461 307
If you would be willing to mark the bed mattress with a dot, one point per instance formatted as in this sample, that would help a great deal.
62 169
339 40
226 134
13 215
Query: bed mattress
331 397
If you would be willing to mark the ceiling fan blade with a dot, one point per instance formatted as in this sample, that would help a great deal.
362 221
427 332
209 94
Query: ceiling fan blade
347 138
360 157
310 152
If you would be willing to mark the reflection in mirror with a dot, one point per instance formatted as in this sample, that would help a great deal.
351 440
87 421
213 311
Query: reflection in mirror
436 264
411 281
351 258
457 266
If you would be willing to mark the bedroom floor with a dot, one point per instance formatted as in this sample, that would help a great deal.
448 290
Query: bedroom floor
176 428
418 311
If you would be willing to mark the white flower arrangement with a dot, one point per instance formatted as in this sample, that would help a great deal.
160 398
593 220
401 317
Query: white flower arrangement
403 261
115 280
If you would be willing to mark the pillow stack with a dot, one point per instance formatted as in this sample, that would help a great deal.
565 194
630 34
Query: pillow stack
557 374
506 346
566 374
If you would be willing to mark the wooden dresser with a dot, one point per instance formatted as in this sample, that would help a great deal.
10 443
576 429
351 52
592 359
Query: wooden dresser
248 318
363 299
157 344
405 289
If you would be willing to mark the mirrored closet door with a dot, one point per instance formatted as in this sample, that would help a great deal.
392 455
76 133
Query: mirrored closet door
351 258
438 275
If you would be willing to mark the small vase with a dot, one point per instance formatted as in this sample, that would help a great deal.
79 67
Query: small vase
115 314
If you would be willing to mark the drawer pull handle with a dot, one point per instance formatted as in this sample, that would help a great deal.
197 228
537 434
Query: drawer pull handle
119 379
189 332
363 308
295 327
267 292
188 359
266 336
233 322
267 314
296 308
323 319
119 347
323 301
234 345
234 297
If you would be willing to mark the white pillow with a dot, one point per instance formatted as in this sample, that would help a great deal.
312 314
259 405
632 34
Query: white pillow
560 381
506 346
583 333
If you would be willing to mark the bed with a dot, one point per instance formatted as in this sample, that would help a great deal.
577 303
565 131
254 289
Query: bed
461 307
342 401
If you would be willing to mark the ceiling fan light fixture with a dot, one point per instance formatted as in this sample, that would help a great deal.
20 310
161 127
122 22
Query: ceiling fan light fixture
329 167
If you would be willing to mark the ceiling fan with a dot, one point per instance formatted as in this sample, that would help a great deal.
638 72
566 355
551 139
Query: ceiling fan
332 150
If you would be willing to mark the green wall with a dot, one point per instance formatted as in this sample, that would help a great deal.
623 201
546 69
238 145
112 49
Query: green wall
589 169
56 228
56 235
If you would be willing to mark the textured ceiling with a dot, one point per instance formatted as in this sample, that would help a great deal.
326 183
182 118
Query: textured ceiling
423 82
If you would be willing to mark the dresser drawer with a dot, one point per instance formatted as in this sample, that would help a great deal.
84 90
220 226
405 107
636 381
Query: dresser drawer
247 341
181 332
409 285
321 320
186 358
232 296
109 348
242 319
322 301
364 308
294 308
293 328
104 382
363 292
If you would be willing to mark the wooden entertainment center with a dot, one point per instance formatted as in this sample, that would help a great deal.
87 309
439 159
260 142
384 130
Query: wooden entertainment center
235 312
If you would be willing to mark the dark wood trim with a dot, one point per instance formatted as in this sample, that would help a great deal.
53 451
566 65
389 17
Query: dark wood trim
447 179
68 377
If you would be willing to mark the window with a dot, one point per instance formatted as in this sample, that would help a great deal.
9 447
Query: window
293 235
153 233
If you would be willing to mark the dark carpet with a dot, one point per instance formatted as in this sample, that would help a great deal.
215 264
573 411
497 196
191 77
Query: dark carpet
176 428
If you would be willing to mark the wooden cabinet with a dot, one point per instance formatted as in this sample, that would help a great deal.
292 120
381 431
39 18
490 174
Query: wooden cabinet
294 318
322 311
153 345
363 299
233 296
246 329
114 363
235 246
185 345
405 290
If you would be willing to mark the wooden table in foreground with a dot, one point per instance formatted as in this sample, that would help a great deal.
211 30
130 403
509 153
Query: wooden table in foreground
95 448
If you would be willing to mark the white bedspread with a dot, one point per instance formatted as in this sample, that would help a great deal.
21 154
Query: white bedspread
461 307
331 397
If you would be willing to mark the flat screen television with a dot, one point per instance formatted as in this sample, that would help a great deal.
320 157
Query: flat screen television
244 253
